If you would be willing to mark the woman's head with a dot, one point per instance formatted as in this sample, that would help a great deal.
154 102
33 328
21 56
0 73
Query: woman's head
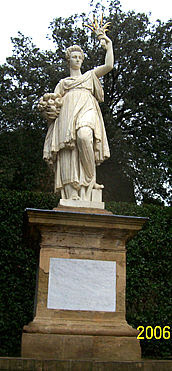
71 50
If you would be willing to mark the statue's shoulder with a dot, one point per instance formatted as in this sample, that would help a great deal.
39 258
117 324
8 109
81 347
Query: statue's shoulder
61 81
88 73
91 73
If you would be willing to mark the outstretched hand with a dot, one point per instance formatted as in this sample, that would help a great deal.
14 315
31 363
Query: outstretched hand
104 41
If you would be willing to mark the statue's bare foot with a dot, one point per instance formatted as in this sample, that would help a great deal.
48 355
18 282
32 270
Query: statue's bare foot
75 197
98 186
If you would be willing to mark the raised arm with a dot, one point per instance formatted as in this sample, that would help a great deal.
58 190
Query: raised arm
109 58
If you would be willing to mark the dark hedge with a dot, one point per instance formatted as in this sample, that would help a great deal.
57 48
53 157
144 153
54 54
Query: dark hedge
149 279
148 270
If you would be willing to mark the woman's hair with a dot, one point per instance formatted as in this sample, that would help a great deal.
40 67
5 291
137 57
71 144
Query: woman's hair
74 48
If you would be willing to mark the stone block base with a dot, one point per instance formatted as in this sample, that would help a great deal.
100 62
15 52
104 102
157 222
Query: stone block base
81 203
28 364
80 347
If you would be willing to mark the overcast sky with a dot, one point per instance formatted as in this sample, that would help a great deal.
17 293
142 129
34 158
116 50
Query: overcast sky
33 17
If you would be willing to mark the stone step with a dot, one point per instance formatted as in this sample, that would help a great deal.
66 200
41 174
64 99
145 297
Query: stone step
28 364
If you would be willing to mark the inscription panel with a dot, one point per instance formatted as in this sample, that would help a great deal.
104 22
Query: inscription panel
80 284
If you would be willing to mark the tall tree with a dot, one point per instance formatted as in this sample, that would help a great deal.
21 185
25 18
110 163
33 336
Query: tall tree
136 109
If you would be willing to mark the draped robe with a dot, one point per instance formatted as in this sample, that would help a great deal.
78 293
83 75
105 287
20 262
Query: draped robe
80 97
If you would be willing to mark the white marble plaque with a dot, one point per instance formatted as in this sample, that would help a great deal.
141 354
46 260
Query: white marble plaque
78 284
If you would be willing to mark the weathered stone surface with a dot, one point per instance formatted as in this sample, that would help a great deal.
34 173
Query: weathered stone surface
128 224
81 334
54 346
86 210
79 365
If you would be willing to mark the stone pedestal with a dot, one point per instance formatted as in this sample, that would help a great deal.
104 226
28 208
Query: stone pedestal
80 307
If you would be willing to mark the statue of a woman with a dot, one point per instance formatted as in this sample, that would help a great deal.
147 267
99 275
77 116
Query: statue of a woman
76 140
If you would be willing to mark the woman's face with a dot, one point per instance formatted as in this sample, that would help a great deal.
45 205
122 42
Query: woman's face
75 60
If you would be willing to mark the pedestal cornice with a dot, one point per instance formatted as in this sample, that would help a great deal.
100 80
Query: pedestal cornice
84 219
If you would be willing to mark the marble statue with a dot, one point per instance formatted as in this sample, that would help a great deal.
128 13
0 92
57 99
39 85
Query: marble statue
76 139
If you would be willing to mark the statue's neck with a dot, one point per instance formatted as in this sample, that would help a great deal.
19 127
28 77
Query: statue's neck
75 73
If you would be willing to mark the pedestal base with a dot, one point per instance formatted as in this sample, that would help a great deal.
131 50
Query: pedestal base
95 241
80 347
80 203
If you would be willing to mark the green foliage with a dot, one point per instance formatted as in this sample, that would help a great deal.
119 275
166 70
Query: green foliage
17 266
149 282
148 270
23 166
136 110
